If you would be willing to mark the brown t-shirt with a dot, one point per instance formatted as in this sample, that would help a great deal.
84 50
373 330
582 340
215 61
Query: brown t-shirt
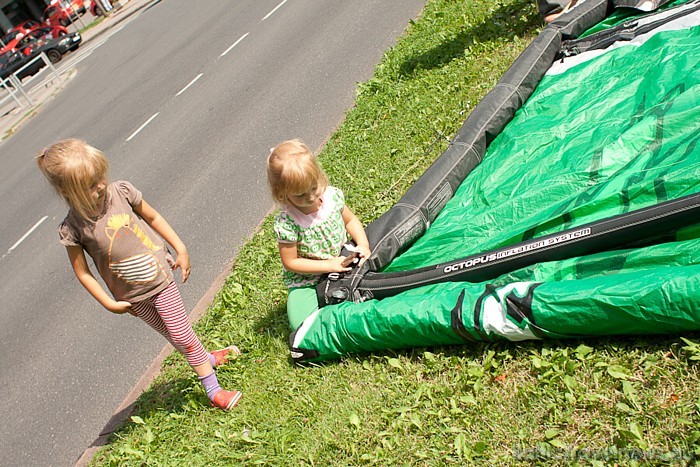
131 258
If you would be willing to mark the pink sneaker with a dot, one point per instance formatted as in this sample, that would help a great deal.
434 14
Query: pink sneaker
224 355
226 400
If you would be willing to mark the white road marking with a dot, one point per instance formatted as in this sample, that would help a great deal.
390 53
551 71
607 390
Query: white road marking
234 44
189 84
143 126
275 9
27 234
93 46
114 31
77 60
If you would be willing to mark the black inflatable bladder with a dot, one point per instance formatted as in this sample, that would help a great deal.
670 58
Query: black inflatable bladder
642 226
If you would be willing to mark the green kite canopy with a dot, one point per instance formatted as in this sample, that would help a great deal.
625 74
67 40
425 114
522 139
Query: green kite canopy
579 134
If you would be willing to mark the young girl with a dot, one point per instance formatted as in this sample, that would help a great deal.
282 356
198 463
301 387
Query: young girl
120 231
311 227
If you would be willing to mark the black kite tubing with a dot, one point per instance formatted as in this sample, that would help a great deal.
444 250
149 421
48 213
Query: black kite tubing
632 228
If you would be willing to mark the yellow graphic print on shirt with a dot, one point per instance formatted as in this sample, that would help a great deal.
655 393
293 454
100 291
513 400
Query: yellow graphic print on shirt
130 251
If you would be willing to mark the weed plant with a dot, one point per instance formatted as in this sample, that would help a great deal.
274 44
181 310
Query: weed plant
625 401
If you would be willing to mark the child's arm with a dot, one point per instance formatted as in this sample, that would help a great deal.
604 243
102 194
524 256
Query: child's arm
292 262
357 232
162 228
82 272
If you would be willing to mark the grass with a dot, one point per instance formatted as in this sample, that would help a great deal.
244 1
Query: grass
97 21
629 401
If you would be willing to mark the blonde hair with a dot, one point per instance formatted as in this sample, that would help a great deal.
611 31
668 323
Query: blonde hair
293 169
71 166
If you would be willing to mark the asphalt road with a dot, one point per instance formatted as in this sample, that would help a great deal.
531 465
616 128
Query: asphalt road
186 100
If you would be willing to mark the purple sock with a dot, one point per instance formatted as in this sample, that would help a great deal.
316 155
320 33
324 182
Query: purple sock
212 360
211 384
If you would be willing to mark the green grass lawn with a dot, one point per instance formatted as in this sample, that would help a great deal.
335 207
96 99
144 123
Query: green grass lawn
588 402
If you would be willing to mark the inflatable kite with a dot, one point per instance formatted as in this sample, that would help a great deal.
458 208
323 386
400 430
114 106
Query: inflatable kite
567 205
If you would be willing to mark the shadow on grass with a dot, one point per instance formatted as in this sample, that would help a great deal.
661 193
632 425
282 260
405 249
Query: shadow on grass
474 351
275 322
173 396
506 22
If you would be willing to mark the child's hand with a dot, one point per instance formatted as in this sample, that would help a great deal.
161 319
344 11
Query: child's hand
340 263
120 308
360 251
364 252
183 262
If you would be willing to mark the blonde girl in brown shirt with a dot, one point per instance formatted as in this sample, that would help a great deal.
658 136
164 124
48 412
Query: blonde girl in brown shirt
126 239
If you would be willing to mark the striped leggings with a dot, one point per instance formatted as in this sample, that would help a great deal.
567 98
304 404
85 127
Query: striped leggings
165 312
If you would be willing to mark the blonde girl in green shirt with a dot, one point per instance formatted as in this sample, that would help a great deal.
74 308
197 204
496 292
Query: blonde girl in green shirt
311 227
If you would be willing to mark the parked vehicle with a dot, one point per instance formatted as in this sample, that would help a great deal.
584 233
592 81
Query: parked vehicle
96 7
11 44
20 30
47 32
79 6
29 48
60 13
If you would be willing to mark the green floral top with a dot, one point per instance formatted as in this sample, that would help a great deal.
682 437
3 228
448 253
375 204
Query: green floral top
319 235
